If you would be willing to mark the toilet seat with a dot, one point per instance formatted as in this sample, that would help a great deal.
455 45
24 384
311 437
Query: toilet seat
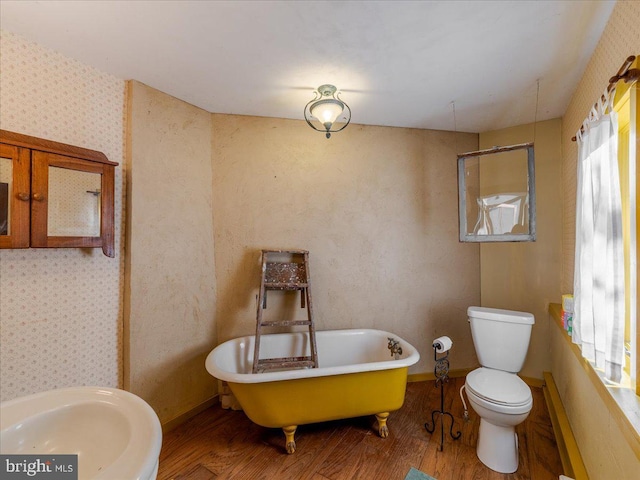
499 391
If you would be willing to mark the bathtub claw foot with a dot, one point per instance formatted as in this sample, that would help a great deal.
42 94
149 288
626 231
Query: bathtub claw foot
289 433
291 447
383 430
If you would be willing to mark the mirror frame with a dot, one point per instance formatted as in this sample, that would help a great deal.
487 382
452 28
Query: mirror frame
18 236
531 191
41 161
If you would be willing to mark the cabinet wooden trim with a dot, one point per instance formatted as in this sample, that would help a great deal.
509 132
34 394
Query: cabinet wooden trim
43 145
20 197
40 202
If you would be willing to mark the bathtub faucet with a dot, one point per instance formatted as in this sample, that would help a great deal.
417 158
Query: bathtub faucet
394 347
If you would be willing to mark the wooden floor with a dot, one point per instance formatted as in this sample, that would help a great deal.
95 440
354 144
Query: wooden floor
221 444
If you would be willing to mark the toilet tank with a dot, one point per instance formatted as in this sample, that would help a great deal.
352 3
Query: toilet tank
501 337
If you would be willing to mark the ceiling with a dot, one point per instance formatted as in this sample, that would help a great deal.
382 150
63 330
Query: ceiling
398 63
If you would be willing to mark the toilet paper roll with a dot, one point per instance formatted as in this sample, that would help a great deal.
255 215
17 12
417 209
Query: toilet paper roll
442 344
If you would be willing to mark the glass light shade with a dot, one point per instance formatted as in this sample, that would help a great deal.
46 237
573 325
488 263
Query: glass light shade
327 111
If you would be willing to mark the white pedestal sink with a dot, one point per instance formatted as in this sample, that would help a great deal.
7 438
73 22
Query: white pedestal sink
115 434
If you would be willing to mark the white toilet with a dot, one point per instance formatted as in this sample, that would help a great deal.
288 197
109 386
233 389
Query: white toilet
496 393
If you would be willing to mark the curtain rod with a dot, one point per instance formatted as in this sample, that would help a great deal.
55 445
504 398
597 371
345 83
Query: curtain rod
624 73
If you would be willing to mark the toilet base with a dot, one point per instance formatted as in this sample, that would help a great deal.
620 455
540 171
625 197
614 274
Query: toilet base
498 447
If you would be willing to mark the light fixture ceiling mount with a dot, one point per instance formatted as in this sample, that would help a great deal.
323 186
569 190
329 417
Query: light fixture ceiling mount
326 112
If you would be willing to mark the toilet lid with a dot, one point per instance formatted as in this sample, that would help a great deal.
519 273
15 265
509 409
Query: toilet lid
498 387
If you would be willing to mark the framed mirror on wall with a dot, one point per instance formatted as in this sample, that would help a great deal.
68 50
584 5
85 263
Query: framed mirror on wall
496 194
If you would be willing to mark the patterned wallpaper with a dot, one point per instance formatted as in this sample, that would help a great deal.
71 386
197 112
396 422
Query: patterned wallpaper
60 309
620 39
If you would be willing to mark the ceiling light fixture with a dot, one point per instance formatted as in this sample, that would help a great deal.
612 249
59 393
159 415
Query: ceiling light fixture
325 109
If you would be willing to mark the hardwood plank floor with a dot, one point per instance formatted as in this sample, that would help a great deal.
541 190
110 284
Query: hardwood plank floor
224 444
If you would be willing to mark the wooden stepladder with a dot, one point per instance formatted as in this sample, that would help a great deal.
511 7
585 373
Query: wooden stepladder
285 270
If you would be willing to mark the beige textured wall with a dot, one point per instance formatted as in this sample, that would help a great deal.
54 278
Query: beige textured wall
170 294
60 308
526 275
375 206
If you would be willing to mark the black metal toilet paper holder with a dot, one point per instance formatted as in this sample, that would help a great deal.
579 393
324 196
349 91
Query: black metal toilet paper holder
441 371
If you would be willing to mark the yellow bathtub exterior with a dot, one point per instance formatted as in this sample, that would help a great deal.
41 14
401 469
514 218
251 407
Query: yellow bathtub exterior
319 399
357 376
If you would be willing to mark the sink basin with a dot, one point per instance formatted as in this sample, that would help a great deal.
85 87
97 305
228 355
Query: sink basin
115 434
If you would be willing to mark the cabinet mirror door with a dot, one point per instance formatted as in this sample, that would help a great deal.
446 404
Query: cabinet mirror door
15 166
69 208
73 203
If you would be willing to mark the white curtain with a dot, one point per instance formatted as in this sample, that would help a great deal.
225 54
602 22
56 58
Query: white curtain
598 321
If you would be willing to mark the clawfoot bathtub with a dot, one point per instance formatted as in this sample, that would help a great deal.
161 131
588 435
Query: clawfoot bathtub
357 376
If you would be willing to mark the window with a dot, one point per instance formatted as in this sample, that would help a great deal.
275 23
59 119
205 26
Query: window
605 279
626 105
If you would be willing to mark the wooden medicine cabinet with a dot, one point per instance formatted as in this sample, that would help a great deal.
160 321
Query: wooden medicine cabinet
54 195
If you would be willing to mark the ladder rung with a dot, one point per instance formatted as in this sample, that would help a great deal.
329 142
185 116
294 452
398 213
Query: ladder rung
285 286
294 251
285 323
285 362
